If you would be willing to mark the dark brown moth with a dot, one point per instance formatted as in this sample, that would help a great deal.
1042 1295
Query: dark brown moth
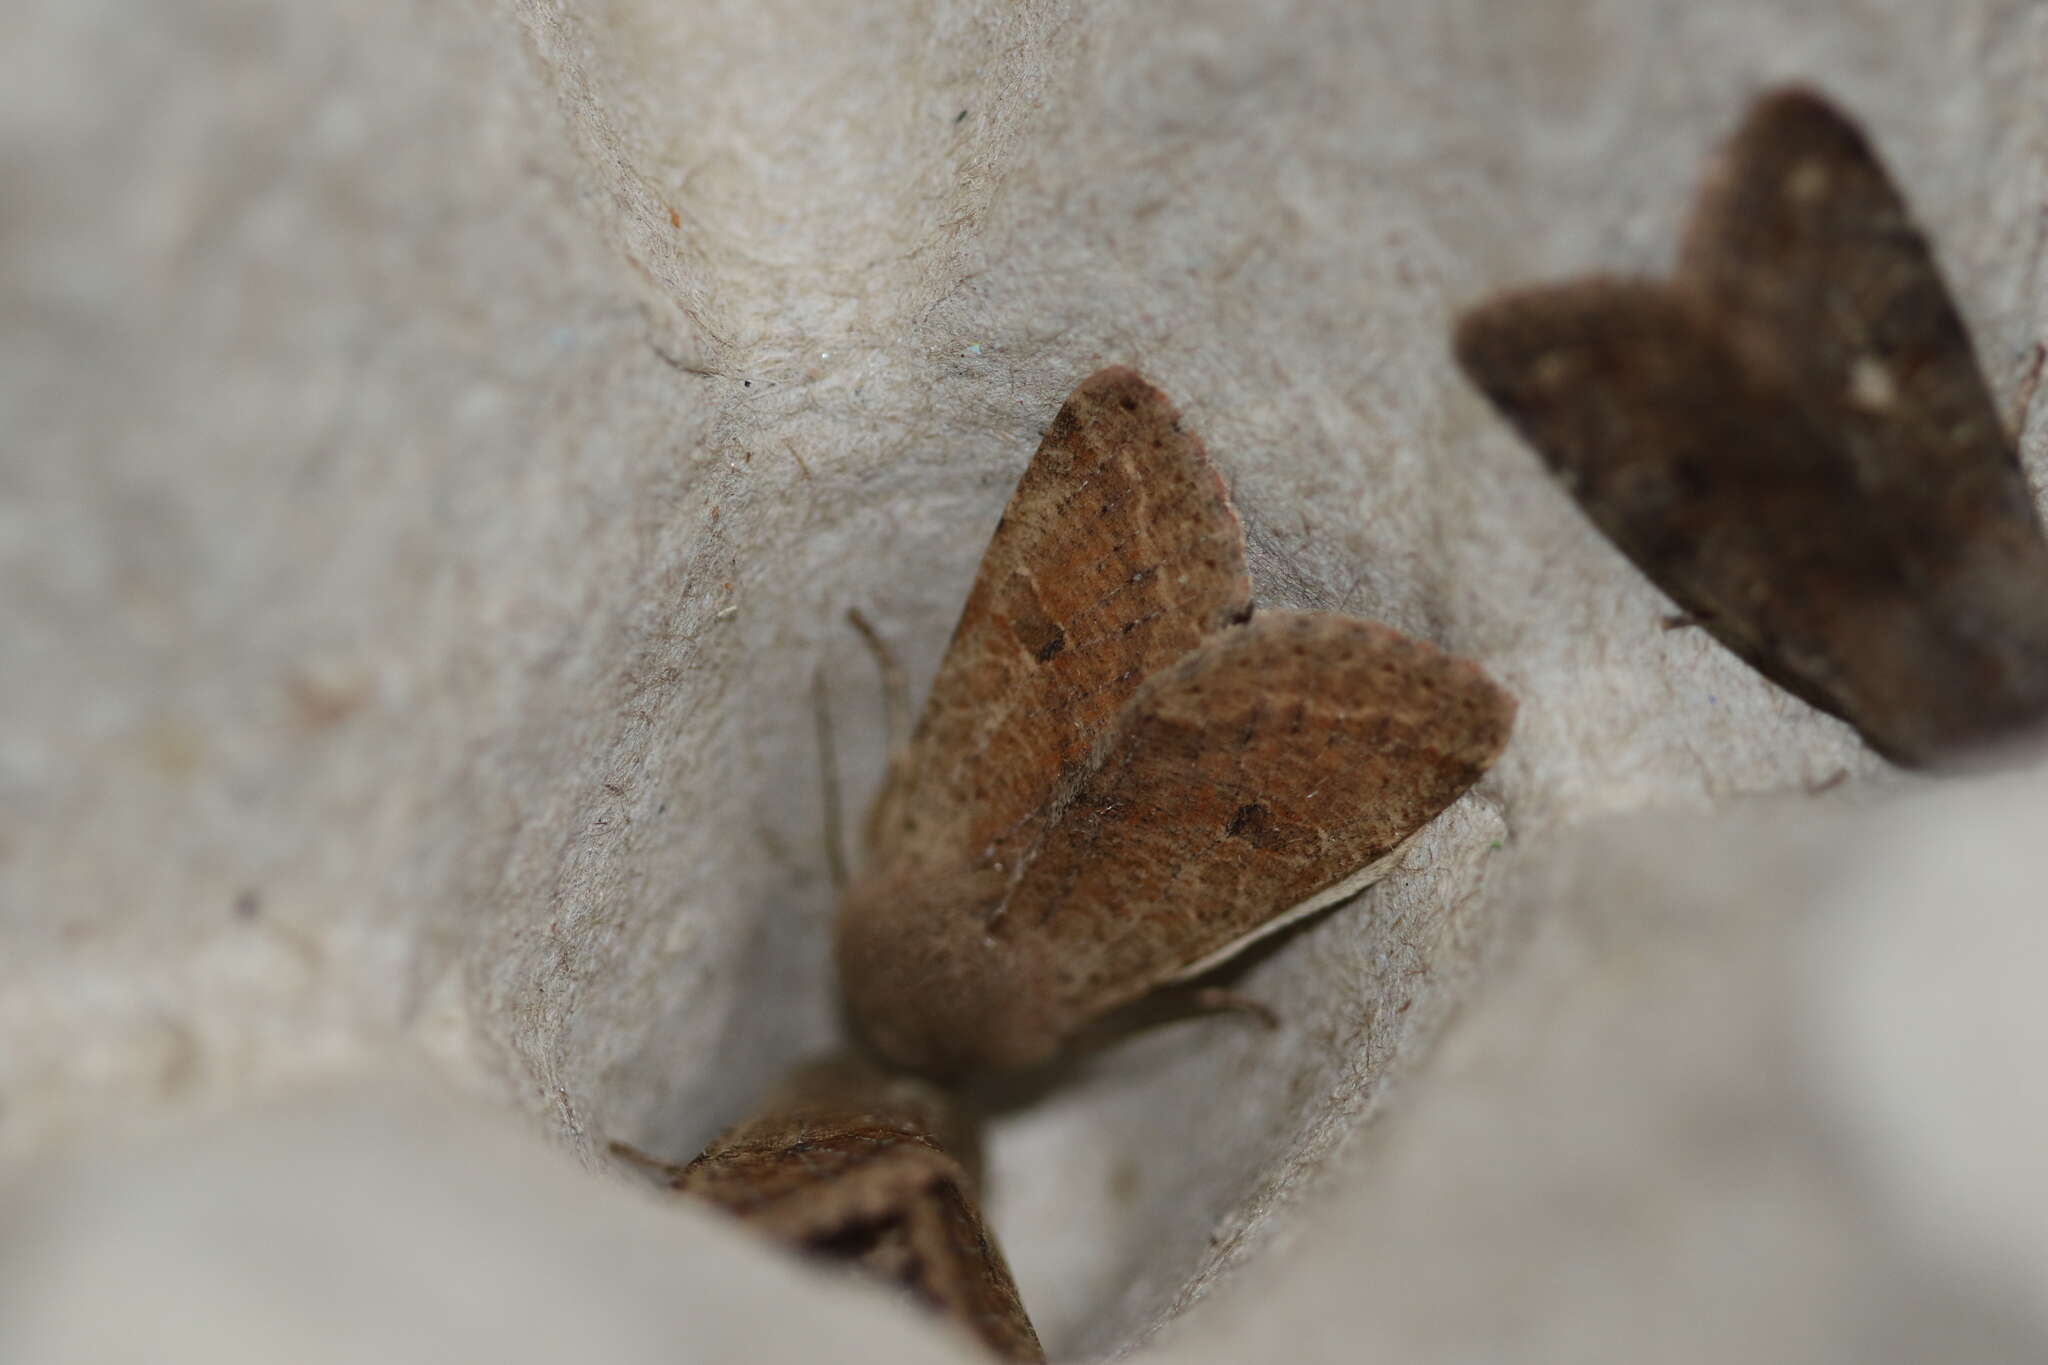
1793 439
850 1163
1121 776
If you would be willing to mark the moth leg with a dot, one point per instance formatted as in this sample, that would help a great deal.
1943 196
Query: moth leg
1222 1000
627 1152
1682 620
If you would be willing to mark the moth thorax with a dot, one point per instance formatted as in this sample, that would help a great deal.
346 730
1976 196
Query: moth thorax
931 989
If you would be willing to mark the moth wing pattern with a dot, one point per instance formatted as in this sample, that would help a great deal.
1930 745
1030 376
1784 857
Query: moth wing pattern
1278 762
850 1163
1692 451
1800 238
1118 552
1257 774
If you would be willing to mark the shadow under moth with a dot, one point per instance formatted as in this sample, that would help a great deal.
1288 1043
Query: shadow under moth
1121 775
849 1163
1793 440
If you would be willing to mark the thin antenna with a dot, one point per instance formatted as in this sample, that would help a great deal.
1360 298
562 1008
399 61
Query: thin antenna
895 695
828 776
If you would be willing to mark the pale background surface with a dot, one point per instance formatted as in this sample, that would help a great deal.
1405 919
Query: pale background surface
441 440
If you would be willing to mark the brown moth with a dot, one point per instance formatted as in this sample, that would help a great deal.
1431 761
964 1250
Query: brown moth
1121 777
1792 438
848 1162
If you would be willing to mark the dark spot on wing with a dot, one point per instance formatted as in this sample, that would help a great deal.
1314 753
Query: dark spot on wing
1254 824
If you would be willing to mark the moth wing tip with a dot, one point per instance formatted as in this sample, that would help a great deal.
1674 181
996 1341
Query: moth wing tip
1794 100
1115 382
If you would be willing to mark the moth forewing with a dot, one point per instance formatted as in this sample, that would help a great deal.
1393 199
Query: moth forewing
1801 238
1250 781
1800 234
1118 552
1342 891
1694 455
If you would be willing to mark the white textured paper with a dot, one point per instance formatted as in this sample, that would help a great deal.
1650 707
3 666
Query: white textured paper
438 444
